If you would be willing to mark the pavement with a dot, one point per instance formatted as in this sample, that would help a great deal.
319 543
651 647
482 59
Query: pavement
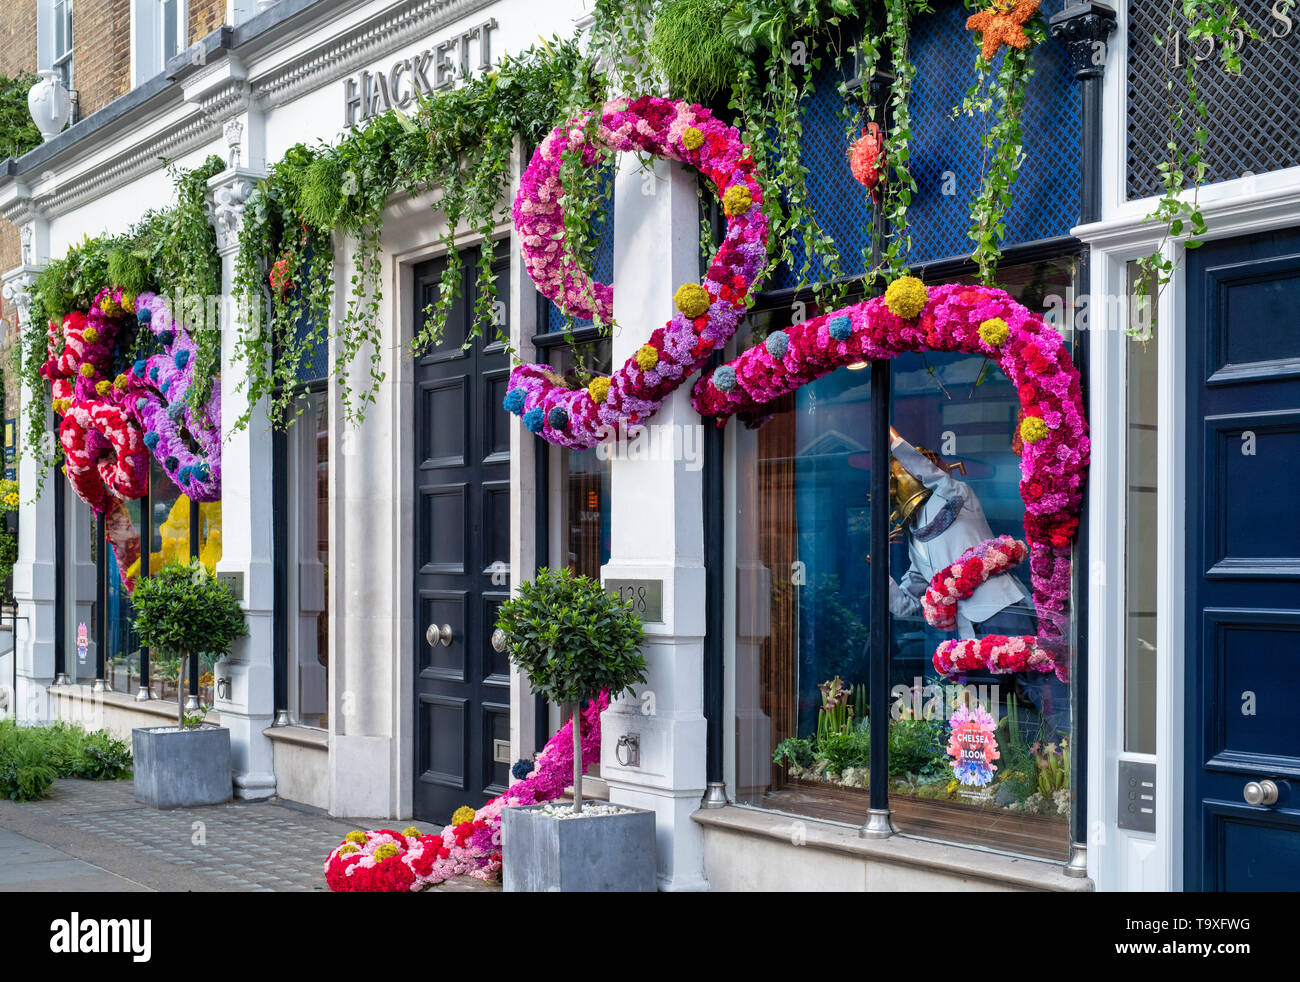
93 836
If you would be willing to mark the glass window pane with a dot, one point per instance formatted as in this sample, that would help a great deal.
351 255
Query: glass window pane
1141 444
123 653
584 505
309 641
169 28
804 606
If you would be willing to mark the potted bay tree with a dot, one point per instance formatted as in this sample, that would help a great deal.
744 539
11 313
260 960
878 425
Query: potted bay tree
181 610
573 639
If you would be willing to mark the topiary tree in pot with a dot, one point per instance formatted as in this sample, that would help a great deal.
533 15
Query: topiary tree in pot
573 639
182 609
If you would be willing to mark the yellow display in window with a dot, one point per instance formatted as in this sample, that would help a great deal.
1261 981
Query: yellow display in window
174 534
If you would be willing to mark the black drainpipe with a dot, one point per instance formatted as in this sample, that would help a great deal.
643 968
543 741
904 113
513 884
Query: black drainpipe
1085 28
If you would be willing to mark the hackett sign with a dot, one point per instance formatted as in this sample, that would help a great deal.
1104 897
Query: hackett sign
370 93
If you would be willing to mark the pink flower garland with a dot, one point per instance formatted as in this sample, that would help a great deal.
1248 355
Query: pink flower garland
953 317
998 654
471 848
707 316
960 579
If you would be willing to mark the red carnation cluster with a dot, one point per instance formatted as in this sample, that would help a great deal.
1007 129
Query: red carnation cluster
957 581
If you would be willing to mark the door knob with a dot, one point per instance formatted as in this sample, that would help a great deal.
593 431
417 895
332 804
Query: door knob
1260 793
438 635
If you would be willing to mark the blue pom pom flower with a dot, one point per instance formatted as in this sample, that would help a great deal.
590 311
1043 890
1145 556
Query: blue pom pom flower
724 379
559 418
514 401
534 419
777 344
840 328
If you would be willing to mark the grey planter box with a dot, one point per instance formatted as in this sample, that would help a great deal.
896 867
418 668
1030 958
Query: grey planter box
600 854
181 768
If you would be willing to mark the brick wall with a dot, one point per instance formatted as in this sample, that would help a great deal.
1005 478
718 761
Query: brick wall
17 54
101 52
205 17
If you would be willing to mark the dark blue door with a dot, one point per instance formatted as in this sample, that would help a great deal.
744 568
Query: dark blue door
1243 565
461 527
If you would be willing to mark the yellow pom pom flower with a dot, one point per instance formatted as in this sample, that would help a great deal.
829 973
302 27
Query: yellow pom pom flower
737 200
90 335
1033 429
102 387
598 389
691 299
354 836
120 383
386 851
348 850
87 370
994 331
128 302
647 356
906 297
411 832
61 405
11 499
462 815
692 138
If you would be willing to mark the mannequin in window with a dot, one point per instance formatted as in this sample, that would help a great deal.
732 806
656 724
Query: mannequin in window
941 522
941 519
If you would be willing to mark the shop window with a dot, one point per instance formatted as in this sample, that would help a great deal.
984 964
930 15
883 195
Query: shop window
1141 523
581 485
803 604
309 544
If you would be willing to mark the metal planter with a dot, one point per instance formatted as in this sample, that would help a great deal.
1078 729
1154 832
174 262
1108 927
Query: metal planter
596 854
181 768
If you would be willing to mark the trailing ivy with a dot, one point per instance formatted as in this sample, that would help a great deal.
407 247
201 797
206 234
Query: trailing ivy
999 98
18 134
461 143
1219 22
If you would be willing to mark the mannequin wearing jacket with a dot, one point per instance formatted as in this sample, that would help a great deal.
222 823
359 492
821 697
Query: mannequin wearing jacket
949 522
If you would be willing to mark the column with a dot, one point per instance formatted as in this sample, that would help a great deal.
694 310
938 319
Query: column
35 570
658 531
247 536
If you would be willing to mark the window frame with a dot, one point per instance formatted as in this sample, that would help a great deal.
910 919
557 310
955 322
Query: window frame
1057 248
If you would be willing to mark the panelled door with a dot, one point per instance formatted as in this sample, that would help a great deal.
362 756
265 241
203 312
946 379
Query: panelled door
1242 676
462 554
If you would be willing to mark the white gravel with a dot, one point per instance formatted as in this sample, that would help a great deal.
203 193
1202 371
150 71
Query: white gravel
589 810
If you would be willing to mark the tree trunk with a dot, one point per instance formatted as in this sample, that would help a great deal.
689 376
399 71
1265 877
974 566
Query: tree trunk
180 691
577 759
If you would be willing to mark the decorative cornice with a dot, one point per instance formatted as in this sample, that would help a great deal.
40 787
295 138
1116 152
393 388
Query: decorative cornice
1084 28
138 160
361 45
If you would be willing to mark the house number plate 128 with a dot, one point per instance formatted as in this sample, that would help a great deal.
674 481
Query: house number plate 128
647 597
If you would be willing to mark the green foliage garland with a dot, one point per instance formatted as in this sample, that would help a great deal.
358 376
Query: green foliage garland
462 143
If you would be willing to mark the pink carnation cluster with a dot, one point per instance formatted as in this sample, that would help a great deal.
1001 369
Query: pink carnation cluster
472 848
961 578
680 131
1033 356
998 654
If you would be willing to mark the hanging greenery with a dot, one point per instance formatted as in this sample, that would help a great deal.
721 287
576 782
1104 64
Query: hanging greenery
18 134
999 99
1220 23
171 251
460 142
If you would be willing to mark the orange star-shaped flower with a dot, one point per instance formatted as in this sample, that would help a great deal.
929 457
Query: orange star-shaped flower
1003 23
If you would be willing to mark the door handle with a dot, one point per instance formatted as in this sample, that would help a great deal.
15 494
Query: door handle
436 635
1260 793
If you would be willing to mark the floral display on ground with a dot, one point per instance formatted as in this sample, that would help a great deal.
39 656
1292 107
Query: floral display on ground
952 317
382 860
113 420
707 314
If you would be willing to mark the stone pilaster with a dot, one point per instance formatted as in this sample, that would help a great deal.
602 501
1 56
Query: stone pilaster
658 531
35 570
248 706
